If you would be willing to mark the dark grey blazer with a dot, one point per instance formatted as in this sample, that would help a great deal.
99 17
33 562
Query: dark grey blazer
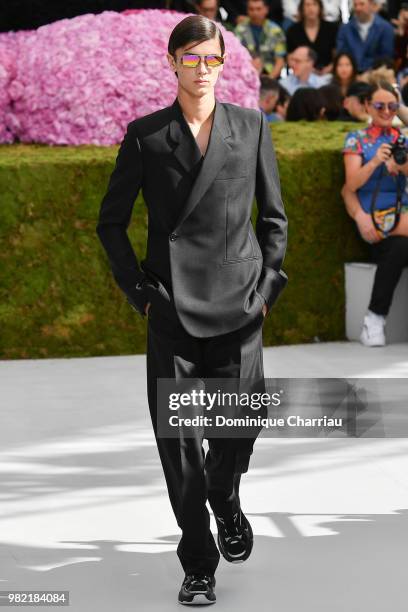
203 259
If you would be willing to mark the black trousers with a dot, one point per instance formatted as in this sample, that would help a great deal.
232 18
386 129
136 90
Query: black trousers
391 256
192 476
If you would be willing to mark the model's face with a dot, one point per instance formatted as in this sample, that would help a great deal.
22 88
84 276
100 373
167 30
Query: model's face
311 9
363 10
382 116
208 8
201 80
257 12
344 69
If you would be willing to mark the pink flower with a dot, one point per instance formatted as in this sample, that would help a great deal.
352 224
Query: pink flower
82 80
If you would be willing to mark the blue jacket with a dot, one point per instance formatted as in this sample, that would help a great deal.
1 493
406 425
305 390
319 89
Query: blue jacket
379 42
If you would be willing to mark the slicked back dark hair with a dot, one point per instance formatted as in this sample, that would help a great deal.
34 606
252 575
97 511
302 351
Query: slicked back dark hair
194 29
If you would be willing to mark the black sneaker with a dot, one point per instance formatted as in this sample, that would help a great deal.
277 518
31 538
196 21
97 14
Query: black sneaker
235 537
197 589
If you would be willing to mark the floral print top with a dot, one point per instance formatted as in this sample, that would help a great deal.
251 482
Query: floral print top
365 142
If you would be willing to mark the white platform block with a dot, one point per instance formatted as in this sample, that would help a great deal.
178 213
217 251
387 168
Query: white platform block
359 278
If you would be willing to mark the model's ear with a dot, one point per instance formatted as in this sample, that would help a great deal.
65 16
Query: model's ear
222 65
171 62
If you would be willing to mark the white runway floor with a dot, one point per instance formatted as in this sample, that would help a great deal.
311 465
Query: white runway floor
84 506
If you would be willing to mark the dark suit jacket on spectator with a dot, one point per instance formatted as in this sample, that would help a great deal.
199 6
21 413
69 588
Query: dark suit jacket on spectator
379 42
324 44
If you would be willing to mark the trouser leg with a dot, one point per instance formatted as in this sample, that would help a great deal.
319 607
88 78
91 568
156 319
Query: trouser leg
237 355
390 255
172 353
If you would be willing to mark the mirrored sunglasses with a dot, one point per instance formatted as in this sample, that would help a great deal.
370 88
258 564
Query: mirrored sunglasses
391 106
191 60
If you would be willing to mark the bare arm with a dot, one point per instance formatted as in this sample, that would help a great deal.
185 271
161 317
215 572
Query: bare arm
363 220
358 174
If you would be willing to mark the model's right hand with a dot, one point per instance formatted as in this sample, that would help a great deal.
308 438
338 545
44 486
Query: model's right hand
366 226
147 307
383 154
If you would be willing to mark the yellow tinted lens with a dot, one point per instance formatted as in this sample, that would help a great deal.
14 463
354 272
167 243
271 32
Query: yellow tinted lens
213 61
191 61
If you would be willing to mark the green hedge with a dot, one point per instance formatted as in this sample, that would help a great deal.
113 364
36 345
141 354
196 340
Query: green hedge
58 297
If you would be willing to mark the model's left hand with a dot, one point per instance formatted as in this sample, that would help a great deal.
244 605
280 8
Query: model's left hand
265 310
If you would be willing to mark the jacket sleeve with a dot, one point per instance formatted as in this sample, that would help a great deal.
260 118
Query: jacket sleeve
271 222
387 41
114 218
341 44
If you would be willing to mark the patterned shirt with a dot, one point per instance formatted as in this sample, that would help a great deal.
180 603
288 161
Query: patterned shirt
365 142
272 41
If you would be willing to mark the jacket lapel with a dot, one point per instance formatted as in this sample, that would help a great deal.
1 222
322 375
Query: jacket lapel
188 153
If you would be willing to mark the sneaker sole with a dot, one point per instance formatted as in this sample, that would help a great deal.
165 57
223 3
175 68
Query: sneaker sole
198 600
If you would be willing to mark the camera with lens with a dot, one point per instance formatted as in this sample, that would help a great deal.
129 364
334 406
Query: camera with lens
399 151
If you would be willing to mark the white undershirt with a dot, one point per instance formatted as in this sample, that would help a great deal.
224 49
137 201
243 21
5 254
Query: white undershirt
363 28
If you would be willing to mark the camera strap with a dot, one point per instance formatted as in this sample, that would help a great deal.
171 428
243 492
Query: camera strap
393 213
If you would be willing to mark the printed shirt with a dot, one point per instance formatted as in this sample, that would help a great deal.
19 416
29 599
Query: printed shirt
272 41
365 142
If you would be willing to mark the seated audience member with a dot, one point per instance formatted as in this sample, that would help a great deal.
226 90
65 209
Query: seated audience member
290 13
211 10
334 11
314 32
332 101
382 70
337 10
268 96
401 38
306 104
375 181
273 99
282 104
263 38
354 108
237 10
367 36
344 72
302 61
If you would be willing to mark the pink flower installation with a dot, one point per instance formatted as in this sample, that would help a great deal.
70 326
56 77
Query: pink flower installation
82 80
7 73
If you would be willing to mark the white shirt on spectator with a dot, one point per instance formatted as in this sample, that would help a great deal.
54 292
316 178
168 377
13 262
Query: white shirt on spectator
333 9
292 82
363 28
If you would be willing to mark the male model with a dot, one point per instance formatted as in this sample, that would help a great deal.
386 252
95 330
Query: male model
208 278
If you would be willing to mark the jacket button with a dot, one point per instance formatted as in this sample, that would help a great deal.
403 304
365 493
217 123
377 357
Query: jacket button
173 237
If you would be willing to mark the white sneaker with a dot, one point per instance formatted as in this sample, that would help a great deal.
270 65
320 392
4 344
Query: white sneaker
373 330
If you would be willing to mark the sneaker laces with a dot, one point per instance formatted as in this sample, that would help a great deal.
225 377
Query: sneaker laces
197 581
234 530
196 578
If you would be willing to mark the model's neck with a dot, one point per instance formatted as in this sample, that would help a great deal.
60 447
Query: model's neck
196 110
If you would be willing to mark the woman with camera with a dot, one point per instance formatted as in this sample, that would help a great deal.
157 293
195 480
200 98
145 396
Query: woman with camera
376 166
